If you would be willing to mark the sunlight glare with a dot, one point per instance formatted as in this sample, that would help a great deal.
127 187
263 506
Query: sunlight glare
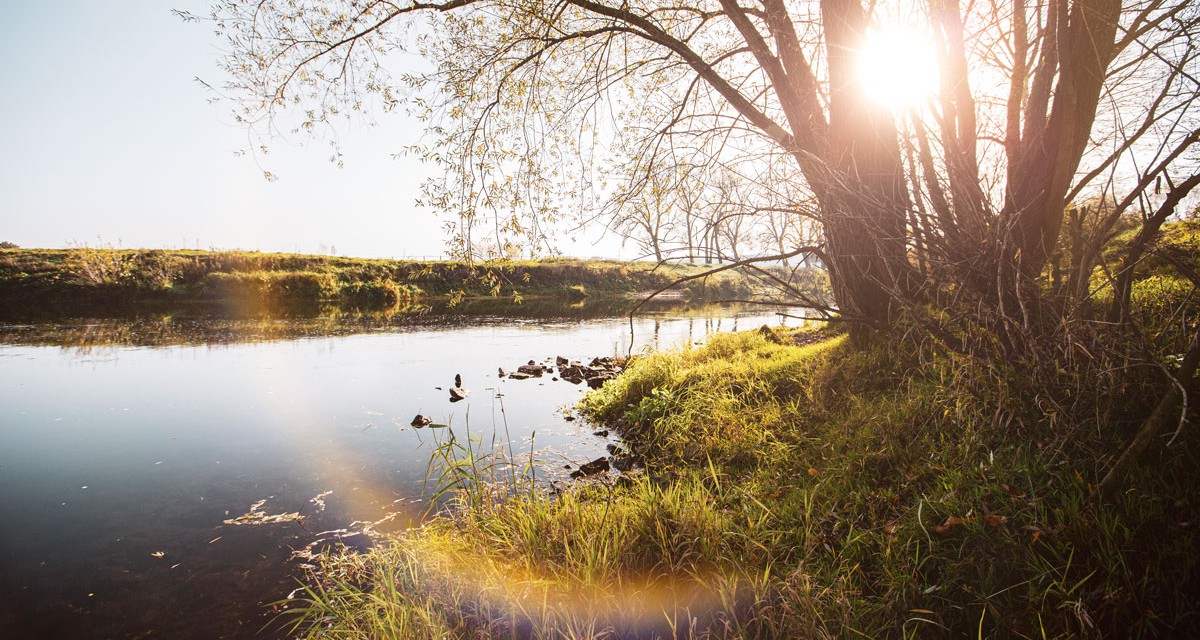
897 67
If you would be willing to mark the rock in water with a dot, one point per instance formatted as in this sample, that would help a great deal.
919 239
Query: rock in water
458 380
572 374
457 394
535 370
599 379
421 421
591 468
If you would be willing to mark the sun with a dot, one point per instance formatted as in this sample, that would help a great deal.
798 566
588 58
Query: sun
897 67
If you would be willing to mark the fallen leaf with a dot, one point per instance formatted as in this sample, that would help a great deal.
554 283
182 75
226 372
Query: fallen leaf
995 521
812 472
950 523
1013 491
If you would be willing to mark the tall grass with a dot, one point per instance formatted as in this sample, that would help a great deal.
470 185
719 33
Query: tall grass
798 492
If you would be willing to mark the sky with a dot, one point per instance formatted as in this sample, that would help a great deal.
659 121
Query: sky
107 139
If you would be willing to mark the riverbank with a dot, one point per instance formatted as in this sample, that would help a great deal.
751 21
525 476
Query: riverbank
91 278
796 489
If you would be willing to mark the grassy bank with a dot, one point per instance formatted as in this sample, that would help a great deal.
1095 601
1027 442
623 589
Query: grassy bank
796 485
98 277
796 491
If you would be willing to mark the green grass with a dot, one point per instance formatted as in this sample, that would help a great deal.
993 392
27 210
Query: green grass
33 277
796 492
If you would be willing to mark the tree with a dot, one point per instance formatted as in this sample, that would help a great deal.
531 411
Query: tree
961 199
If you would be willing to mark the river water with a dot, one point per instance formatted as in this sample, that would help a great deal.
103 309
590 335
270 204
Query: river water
126 444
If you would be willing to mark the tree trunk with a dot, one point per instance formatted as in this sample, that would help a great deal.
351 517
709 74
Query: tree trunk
862 190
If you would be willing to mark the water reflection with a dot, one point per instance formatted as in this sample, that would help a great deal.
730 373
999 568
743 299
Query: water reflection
199 324
112 453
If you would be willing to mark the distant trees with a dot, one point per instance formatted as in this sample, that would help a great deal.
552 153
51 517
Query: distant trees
9 245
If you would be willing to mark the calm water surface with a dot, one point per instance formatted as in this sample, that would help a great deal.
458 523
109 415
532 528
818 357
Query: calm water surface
119 464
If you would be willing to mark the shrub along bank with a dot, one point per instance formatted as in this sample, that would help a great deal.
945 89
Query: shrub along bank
34 277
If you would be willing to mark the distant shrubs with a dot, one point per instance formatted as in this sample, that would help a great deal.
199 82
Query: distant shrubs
100 267
303 287
270 286
377 294
9 245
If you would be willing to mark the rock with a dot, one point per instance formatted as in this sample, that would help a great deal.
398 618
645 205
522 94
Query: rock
623 463
599 379
517 375
502 372
573 374
421 421
457 394
458 381
561 361
569 418
599 465
603 433
532 369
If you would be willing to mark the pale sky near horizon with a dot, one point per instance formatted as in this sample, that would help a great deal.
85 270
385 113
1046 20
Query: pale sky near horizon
107 139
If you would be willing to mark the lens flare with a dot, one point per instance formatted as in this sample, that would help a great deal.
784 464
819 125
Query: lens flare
897 67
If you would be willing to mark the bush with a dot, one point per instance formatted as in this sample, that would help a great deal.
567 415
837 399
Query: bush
1163 305
269 286
377 294
9 245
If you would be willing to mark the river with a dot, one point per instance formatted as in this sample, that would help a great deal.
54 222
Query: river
127 444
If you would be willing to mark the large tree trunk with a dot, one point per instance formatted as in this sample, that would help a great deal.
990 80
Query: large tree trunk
860 186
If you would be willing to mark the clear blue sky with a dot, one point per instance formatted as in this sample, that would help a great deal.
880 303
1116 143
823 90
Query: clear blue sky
107 139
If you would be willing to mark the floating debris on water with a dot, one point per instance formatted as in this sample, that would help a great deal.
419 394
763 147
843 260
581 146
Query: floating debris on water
257 516
319 500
